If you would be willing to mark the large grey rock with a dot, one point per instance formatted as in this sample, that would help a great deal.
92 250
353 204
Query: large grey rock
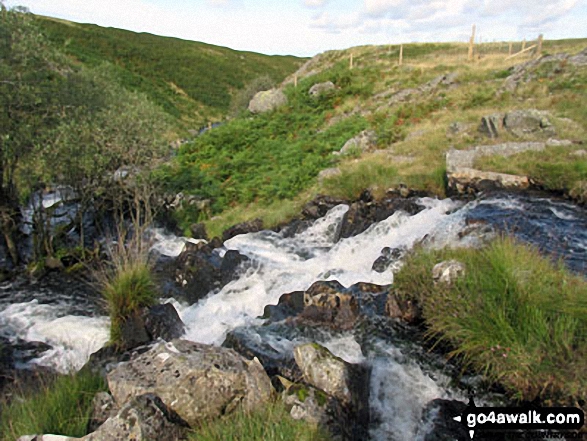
195 380
491 125
163 321
267 100
321 88
143 418
364 141
525 122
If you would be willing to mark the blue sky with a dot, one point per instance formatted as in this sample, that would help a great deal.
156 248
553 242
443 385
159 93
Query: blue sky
308 27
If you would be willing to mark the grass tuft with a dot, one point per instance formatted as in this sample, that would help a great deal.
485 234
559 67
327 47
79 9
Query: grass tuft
61 406
516 316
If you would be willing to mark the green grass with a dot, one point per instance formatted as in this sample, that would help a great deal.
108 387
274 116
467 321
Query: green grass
558 168
192 81
61 406
271 423
516 316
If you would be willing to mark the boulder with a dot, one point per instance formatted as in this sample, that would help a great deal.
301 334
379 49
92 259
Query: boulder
321 88
197 381
332 304
347 383
491 125
526 122
448 272
142 418
364 141
267 101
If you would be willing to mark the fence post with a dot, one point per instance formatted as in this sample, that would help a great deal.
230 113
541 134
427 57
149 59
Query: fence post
510 50
296 81
523 45
401 54
539 47
351 61
471 44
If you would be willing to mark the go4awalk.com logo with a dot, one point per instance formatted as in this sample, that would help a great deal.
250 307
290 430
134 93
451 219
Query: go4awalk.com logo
522 423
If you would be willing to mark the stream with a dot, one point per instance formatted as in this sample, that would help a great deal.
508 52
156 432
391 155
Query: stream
404 377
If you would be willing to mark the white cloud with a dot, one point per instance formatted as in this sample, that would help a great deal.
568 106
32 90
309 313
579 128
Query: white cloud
315 3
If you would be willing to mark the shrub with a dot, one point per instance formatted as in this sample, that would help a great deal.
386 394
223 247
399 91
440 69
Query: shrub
61 406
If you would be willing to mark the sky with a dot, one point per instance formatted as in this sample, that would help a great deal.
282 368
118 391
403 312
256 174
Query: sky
308 27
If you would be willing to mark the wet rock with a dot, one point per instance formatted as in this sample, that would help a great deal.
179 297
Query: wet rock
437 419
319 206
289 305
448 272
319 89
144 418
242 228
307 403
198 270
267 101
293 227
332 304
195 380
163 321
249 344
103 407
389 259
361 215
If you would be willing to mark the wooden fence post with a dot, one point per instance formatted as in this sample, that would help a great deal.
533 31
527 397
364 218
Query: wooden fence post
471 44
510 50
351 61
539 47
296 80
401 54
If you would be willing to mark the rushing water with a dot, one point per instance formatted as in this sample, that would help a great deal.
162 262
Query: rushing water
404 377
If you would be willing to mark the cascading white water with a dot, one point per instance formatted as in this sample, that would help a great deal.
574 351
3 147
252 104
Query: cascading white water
282 265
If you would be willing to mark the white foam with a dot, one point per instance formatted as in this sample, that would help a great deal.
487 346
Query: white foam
284 265
168 244
73 338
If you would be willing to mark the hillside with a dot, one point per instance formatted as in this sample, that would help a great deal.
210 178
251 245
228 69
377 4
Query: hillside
192 81
268 165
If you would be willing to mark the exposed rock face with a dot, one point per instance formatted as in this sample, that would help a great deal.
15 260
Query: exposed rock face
364 141
448 272
267 101
389 259
321 88
448 80
195 380
143 418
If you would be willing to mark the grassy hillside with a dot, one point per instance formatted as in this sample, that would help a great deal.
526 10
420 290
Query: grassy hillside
267 165
192 81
